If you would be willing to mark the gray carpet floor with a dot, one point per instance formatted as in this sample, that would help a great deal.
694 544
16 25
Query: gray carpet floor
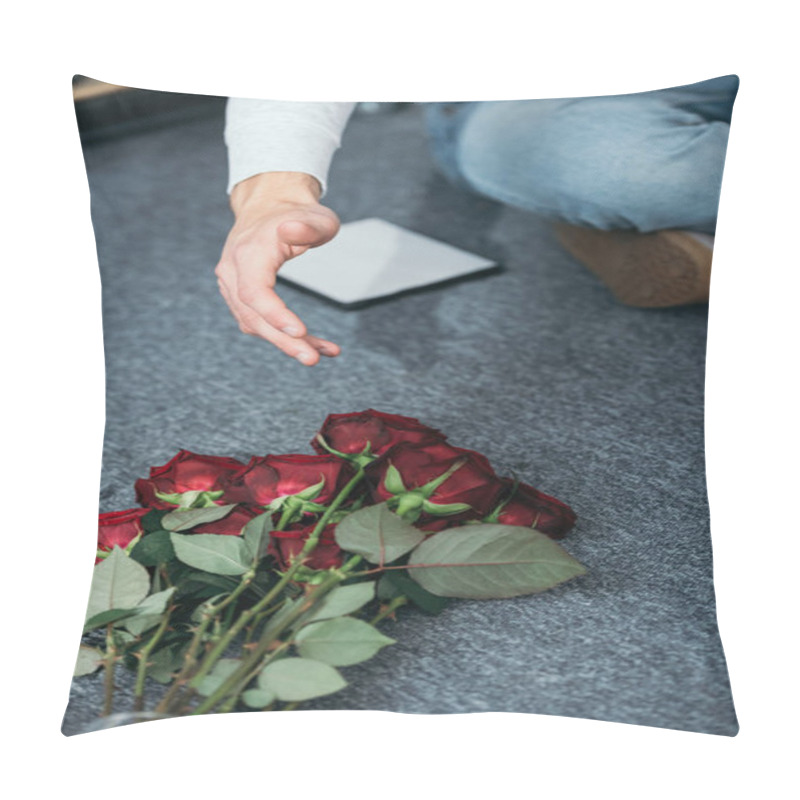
537 367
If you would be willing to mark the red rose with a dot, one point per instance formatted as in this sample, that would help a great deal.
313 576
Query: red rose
350 433
283 545
119 528
230 525
186 472
474 483
531 508
266 479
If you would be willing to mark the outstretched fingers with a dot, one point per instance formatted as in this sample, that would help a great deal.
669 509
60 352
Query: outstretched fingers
304 348
247 273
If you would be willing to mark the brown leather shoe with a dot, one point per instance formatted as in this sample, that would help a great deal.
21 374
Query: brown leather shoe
647 270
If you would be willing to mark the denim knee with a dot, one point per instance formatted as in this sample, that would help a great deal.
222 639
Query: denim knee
445 121
622 162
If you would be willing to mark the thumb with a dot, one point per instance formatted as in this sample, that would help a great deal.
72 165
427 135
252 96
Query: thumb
309 232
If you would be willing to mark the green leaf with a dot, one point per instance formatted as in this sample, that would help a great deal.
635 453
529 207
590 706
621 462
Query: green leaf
344 600
491 561
117 582
151 521
378 534
165 662
105 617
275 623
194 585
396 582
222 670
149 612
341 641
298 679
122 638
156 603
184 519
212 552
256 535
89 659
140 623
153 549
257 698
386 590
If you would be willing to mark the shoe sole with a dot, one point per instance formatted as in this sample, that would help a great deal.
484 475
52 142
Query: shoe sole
645 270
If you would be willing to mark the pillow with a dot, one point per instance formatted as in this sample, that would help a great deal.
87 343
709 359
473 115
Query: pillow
503 504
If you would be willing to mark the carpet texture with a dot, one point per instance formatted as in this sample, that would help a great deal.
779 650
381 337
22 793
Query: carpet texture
536 367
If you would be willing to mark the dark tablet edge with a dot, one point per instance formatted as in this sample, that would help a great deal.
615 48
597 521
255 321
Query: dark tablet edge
484 272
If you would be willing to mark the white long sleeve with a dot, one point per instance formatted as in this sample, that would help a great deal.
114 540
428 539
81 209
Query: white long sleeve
282 136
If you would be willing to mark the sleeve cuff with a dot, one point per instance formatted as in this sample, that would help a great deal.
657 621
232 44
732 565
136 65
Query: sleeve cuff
272 136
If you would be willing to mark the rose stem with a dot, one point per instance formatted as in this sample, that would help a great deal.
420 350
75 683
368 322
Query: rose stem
143 655
190 658
389 609
246 616
110 659
253 664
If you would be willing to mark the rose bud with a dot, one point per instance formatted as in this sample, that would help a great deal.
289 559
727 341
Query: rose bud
370 433
434 479
118 528
318 479
530 508
187 472
229 525
285 545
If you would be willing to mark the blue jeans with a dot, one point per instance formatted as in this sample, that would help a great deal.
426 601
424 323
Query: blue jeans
642 162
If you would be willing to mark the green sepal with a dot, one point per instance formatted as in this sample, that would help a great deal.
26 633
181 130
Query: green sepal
192 499
409 506
493 518
431 486
312 492
361 460
393 480
444 509
103 554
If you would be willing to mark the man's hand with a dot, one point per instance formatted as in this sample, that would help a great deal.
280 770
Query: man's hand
278 217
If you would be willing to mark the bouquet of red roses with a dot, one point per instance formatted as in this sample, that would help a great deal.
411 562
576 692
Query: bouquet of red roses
247 585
